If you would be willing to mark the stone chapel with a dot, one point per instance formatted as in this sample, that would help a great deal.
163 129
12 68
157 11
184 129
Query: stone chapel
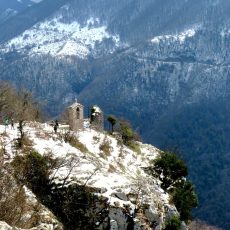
76 116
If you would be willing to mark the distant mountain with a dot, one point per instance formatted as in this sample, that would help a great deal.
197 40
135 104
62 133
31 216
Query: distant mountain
57 38
164 65
10 8
25 19
15 4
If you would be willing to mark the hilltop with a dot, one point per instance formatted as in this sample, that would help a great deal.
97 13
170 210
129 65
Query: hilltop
97 160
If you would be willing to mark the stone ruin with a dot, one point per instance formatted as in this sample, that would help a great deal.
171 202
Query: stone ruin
77 120
76 116
97 118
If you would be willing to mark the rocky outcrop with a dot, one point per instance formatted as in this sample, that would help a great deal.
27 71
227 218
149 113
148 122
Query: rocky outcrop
127 197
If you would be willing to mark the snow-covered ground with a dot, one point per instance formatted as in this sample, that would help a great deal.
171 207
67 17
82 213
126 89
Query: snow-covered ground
61 39
117 173
180 37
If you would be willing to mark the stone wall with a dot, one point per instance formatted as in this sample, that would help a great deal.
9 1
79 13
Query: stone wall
97 119
76 116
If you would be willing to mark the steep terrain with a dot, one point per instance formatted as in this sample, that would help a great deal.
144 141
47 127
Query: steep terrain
164 66
114 173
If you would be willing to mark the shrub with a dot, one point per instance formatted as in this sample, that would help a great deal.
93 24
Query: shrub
135 147
15 207
169 169
128 135
173 223
12 200
74 205
172 171
78 208
105 147
34 171
184 198
73 141
23 142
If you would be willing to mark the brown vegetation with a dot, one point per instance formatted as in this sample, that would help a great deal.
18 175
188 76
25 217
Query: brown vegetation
105 147
18 105
16 208
73 141
200 225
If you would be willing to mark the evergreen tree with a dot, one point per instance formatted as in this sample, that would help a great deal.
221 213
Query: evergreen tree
171 167
174 223
184 198
172 172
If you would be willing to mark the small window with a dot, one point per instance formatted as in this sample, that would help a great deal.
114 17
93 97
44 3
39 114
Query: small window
78 113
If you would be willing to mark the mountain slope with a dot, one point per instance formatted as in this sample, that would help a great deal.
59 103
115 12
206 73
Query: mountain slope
25 19
117 176
149 61
180 88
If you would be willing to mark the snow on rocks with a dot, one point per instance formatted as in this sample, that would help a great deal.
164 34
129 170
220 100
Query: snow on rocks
57 38
118 172
181 37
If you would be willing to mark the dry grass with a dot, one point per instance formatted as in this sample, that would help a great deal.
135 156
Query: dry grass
73 141
25 143
4 134
121 166
105 147
15 208
135 147
77 144
111 169
43 135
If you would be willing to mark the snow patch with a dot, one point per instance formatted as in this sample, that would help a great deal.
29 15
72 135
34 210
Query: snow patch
61 39
72 48
181 37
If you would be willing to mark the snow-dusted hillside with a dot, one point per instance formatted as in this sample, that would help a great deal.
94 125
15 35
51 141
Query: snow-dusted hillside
57 38
118 173
176 37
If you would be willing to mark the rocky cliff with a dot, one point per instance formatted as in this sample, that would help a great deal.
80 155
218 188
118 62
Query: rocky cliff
114 172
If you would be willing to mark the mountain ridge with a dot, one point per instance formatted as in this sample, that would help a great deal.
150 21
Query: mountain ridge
172 59
19 23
